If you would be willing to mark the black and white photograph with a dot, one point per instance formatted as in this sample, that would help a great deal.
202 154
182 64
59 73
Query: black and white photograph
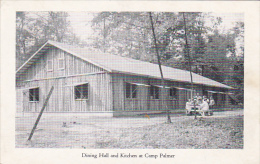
129 82
146 80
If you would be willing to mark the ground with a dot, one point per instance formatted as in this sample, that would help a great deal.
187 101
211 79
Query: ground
224 130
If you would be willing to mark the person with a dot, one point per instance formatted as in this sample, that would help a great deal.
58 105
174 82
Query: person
188 106
204 107
211 101
195 101
195 97
199 100
205 97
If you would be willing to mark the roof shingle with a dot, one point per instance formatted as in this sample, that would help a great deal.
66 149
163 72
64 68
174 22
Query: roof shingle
115 63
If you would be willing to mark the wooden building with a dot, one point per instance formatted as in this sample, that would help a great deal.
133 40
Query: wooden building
86 81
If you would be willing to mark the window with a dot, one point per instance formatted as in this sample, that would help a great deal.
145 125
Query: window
130 90
81 92
215 97
34 94
154 92
173 92
204 93
61 64
223 97
49 65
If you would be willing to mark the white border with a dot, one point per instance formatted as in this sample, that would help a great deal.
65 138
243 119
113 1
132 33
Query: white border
10 154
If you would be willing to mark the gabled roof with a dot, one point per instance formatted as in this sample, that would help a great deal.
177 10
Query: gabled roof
115 63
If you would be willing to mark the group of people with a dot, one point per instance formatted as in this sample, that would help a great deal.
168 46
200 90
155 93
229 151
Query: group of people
203 104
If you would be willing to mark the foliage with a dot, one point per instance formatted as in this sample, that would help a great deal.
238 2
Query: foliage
213 54
35 28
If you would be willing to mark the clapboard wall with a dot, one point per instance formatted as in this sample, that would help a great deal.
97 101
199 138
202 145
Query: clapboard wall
106 89
145 102
64 80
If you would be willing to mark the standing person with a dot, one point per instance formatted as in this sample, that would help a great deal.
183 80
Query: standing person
204 107
188 107
211 102
205 97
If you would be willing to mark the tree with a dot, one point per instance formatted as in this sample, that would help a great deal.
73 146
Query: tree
123 33
129 34
23 34
160 68
196 31
237 74
35 28
214 54
215 59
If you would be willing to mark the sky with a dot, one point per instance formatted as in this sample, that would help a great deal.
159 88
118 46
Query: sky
229 20
81 22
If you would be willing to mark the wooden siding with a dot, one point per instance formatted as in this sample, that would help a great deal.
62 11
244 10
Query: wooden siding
63 99
73 66
106 91
143 101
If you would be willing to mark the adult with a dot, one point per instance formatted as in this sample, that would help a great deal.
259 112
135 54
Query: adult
204 107
188 106
211 101
205 97
199 100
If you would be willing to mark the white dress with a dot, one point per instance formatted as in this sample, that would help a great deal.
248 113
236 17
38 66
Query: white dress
204 106
188 106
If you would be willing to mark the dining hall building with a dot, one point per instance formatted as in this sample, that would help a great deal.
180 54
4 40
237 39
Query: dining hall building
93 82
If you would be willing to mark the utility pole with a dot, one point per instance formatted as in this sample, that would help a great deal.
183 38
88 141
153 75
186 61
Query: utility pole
40 114
160 67
104 33
189 58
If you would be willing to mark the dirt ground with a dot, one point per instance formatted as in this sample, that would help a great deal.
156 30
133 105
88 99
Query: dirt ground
224 130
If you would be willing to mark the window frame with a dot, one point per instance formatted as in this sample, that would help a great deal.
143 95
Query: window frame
215 97
132 93
81 91
49 70
35 98
223 97
174 91
61 57
205 93
154 92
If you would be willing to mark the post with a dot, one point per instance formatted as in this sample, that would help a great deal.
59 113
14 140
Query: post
188 51
104 41
160 67
40 114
